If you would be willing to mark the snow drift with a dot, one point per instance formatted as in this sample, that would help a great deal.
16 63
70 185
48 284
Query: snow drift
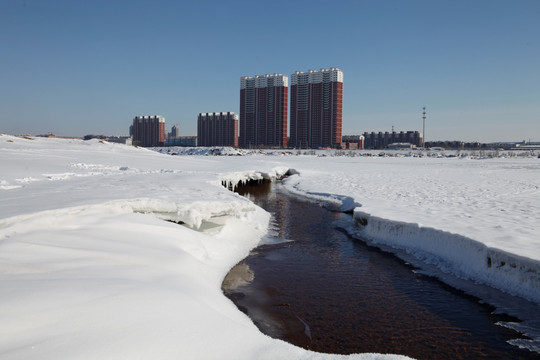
90 269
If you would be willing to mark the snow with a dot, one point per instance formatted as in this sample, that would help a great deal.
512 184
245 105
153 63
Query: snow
89 269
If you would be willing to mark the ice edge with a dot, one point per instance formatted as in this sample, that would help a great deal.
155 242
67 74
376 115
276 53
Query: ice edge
456 254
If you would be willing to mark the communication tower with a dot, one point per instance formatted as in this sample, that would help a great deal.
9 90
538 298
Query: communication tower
424 127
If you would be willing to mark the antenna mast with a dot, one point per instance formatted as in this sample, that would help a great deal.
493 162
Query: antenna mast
424 127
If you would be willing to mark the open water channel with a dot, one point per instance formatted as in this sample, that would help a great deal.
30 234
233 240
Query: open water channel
316 287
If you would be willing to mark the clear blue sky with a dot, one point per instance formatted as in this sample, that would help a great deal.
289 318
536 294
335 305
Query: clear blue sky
74 67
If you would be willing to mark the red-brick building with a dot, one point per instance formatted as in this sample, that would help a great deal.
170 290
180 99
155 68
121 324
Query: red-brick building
148 131
217 129
316 108
263 111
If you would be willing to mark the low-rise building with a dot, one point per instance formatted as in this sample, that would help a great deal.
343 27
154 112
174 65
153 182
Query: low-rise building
187 141
381 140
352 142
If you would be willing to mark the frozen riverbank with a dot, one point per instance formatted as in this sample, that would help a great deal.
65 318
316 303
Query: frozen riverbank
327 292
506 260
72 233
89 269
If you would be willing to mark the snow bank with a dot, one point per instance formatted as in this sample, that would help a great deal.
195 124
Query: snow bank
455 254
234 179
82 230
334 202
101 282
90 269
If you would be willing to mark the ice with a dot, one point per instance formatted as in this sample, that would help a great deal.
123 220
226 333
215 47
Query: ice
231 180
334 202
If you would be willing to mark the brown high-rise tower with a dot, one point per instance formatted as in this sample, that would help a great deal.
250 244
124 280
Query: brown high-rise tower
263 111
217 129
148 130
316 108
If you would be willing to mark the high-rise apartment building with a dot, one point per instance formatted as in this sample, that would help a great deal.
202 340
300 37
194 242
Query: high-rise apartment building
148 131
263 111
217 129
316 108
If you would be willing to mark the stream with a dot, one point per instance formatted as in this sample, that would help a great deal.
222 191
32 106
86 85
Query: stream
314 286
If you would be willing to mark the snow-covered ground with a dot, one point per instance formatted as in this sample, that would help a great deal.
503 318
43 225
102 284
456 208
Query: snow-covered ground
89 269
419 153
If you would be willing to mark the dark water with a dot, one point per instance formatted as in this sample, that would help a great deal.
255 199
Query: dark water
327 292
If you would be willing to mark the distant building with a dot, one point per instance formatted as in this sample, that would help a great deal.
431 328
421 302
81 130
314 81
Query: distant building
174 138
217 129
528 145
263 111
352 142
120 139
148 131
175 132
316 108
381 140
187 141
